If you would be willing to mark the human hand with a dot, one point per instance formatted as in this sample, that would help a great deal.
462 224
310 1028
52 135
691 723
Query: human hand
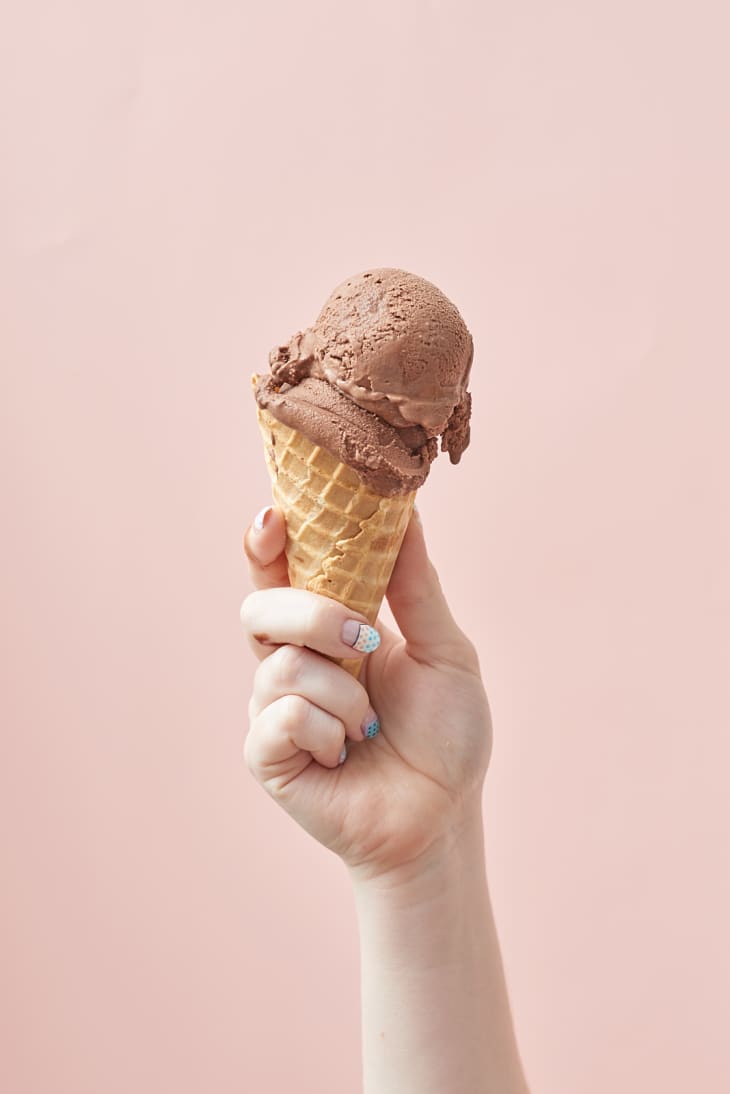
408 793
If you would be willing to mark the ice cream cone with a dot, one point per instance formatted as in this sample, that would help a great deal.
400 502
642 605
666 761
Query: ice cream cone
342 538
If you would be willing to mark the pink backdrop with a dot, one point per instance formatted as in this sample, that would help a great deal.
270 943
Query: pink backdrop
180 187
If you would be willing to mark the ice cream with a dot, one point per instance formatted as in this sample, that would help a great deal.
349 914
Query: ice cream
377 379
350 415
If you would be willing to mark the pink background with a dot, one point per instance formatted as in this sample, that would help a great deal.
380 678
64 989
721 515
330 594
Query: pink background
181 186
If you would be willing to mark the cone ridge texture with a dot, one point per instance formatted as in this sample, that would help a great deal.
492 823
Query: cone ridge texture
342 538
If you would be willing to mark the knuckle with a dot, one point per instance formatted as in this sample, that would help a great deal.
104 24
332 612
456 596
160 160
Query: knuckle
288 665
294 712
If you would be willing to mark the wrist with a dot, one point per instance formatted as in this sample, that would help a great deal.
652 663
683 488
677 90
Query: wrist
453 862
435 1008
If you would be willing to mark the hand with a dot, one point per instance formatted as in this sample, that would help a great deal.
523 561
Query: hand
406 794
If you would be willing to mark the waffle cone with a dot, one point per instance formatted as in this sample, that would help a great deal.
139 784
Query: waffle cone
342 538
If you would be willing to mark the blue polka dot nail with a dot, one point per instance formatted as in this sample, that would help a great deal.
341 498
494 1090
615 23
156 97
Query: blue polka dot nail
360 636
370 725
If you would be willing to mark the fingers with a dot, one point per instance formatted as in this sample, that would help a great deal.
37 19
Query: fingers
291 670
303 707
273 617
264 546
286 731
419 605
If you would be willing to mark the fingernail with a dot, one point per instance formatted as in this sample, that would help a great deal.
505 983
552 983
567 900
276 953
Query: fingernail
360 636
343 755
370 724
261 518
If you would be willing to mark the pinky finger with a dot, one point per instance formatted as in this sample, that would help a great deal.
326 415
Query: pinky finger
287 735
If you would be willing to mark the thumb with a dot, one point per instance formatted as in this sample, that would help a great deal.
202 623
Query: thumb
419 605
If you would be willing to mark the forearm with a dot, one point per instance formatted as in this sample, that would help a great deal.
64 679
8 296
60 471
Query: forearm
435 1011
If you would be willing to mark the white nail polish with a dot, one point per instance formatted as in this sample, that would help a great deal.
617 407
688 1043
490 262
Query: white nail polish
343 755
261 517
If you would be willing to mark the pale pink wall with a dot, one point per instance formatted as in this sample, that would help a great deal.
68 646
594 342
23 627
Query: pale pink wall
181 185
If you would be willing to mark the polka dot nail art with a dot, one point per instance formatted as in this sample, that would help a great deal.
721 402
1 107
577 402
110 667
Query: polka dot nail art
360 636
371 729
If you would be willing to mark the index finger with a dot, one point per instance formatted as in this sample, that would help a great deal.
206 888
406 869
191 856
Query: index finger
263 543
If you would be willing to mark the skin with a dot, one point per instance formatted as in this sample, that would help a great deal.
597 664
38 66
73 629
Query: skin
403 811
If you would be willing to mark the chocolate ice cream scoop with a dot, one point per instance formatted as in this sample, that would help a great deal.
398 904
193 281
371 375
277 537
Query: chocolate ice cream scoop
381 374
